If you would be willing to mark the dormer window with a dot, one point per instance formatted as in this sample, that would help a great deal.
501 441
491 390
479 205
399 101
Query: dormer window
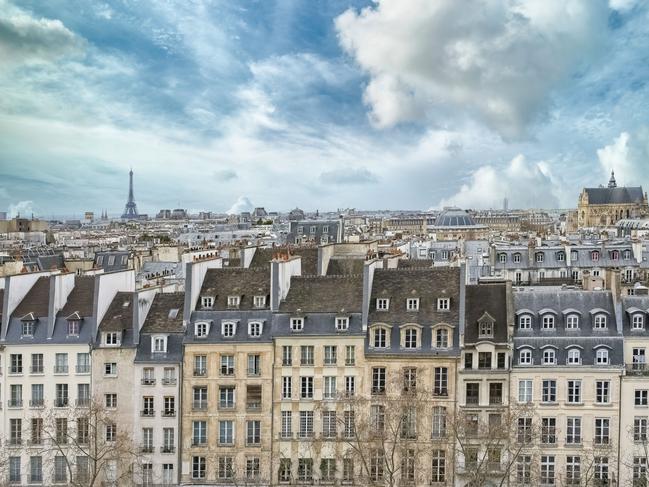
342 323
615 255
111 260
312 230
549 357
28 328
594 255
601 357
525 357
325 229
574 255
540 257
561 256
207 301
380 337
233 301
637 322
525 322
382 304
412 304
111 338
485 329
228 329
547 322
159 344
443 304
201 329
297 324
627 254
600 321
574 357
410 338
255 328
73 327
502 258
517 258
572 322
259 301
441 338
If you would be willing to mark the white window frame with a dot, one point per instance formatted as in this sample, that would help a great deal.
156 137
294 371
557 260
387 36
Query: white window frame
602 357
228 329
201 329
342 323
255 329
549 353
525 357
412 304
259 301
574 357
234 301
525 322
111 339
600 321
297 324
207 301
548 322
443 304
382 304
572 321
637 321
155 340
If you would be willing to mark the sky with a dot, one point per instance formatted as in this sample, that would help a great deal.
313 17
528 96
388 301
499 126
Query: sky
224 105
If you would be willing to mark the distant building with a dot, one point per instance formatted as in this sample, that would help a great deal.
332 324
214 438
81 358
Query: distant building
605 206
316 231
259 213
454 223
164 214
178 214
296 214
23 225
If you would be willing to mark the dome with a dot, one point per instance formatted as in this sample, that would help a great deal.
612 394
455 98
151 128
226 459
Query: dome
454 217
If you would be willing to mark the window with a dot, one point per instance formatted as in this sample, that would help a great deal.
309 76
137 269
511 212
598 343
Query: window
342 324
200 365
110 400
539 257
572 322
147 409
525 390
602 391
284 472
574 391
287 424
233 301
111 338
228 329
287 355
259 301
306 355
502 258
147 439
169 403
306 387
640 428
573 470
253 432
73 327
201 330
297 324
254 364
382 304
226 432
495 393
468 360
410 338
111 432
17 363
525 322
547 469
574 357
638 322
439 422
287 387
601 357
226 397
198 467
159 344
329 428
37 363
329 391
16 399
443 304
409 379
305 469
547 322
601 470
600 321
472 393
524 470
440 384
60 469
594 255
484 360
376 465
640 471
255 329
380 338
408 467
378 380
37 431
486 329
441 338
525 357
306 424
549 391
412 304
28 328
37 399
517 258
524 431
227 365
549 357
573 430
549 431
350 355
327 469
199 433
350 385
641 397
561 256
61 363
35 469
602 430
330 355
83 363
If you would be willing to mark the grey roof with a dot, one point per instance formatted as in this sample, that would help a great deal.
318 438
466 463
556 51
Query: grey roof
345 266
263 256
117 262
36 300
59 336
632 305
119 316
618 195
587 346
454 217
318 324
241 317
486 298
324 294
174 354
162 269
165 314
80 299
245 283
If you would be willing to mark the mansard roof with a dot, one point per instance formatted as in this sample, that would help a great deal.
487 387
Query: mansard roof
488 298
309 255
245 283
615 196
322 294
119 316
165 314
81 298
36 300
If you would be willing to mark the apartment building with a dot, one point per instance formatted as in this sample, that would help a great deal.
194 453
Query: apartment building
411 352
227 380
482 431
568 362
319 372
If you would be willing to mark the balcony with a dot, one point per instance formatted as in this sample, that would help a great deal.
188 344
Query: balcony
147 449
60 369
148 381
147 413
253 405
34 369
15 441
440 392
200 372
495 400
35 479
169 381
83 402
167 449
169 413
473 400
36 403
637 368
350 362
199 442
82 369
62 402
15 403
199 405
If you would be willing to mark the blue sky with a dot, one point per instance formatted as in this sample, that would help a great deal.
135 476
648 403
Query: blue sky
410 104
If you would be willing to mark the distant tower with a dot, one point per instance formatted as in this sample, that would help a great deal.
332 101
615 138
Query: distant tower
611 182
505 204
130 210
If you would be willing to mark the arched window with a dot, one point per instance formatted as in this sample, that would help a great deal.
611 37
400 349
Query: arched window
574 356
517 258
502 258
547 322
637 322
441 338
540 257
410 338
572 321
594 255
380 338
549 357
600 321
601 357
561 256
525 322
525 357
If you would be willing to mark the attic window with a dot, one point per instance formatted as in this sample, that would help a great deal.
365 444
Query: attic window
382 304
233 301
228 329
73 327
111 260
201 330
297 324
159 344
412 304
123 260
342 324
28 329
255 328
260 301
594 255
443 304
173 313
100 259
517 258
111 338
207 301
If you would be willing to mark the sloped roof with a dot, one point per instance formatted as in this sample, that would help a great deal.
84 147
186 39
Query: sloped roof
245 283
619 195
324 294
490 298
342 267
36 300
309 257
119 315
165 314
80 298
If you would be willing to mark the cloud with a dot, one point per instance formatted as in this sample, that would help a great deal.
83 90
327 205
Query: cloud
524 184
497 61
242 204
627 156
26 38
22 208
225 175
349 176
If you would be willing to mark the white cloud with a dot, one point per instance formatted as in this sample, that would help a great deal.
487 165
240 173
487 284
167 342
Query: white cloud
622 5
243 203
524 184
495 60
22 208
627 156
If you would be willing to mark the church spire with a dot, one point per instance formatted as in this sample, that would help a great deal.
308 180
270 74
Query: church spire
611 182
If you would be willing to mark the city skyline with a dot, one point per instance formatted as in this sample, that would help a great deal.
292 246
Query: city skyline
217 104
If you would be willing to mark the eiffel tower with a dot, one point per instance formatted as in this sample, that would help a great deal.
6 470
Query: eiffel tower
130 210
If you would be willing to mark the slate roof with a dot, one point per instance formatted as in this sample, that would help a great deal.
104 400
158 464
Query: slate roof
318 324
2 295
618 195
414 263
174 353
490 298
245 283
160 317
119 315
36 300
324 294
263 256
309 255
81 298
426 284
341 267
632 305
241 317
